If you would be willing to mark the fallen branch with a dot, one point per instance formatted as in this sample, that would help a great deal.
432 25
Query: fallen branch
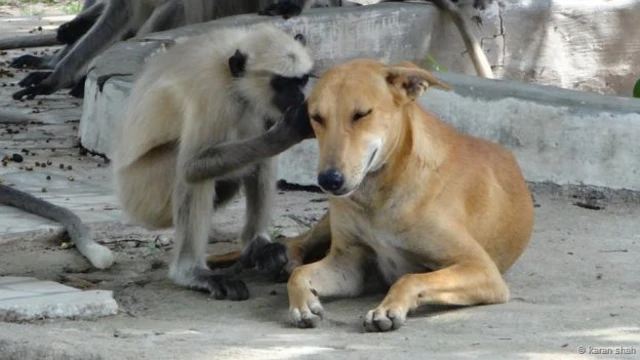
15 118
28 41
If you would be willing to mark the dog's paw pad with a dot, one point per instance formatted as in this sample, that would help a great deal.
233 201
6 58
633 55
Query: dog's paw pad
308 315
381 319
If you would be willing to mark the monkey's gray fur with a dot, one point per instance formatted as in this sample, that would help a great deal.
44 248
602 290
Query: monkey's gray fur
99 255
104 22
196 128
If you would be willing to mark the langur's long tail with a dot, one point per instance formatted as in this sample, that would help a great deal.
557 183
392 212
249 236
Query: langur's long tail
100 256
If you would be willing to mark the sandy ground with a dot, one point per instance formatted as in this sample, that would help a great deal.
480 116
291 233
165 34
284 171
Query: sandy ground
577 285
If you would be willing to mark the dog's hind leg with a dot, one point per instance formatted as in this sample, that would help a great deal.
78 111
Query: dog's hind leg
475 279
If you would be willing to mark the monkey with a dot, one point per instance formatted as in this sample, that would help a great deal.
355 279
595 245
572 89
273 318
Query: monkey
101 24
108 21
197 128
99 255
105 22
67 34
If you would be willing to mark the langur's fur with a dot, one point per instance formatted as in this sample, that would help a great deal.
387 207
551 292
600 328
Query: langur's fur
99 255
192 133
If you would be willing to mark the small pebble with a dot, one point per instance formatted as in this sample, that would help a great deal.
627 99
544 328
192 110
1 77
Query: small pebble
71 178
48 177
17 158
69 167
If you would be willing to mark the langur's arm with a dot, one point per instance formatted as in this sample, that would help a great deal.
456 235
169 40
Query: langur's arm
99 255
167 16
72 31
222 159
113 22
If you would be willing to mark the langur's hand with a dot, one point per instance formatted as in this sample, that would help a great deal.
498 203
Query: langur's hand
479 4
34 78
43 87
28 61
283 7
296 121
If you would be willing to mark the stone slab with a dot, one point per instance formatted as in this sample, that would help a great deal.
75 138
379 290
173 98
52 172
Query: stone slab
24 299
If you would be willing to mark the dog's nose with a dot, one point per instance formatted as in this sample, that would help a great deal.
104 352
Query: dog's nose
331 180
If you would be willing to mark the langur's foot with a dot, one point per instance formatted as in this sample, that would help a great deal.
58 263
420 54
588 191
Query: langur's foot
221 286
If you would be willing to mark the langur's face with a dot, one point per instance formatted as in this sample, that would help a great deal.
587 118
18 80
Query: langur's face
273 72
288 91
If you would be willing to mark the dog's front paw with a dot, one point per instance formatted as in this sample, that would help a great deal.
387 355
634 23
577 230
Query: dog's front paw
305 308
385 318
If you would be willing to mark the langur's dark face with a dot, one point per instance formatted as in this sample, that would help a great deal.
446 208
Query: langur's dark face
288 91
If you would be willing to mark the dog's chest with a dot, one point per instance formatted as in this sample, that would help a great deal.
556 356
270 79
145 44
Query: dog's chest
392 255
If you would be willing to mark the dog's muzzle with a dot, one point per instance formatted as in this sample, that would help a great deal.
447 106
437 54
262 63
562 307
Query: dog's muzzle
331 181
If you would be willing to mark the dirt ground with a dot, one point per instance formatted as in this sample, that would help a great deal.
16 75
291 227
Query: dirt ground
576 287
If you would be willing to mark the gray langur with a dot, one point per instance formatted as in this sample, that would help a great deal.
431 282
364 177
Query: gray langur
104 22
101 23
196 129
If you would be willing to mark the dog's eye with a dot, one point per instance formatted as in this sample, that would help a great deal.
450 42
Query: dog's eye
317 118
360 114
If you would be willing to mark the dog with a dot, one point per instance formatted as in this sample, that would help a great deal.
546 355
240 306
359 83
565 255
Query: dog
441 214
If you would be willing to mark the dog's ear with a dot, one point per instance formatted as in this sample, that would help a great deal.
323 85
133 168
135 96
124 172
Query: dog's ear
406 64
409 82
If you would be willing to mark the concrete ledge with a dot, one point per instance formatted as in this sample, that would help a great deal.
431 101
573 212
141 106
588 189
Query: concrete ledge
24 299
562 136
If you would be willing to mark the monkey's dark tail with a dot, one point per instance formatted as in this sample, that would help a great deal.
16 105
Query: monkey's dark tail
99 255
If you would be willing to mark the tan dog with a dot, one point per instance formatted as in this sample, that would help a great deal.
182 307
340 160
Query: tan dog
440 213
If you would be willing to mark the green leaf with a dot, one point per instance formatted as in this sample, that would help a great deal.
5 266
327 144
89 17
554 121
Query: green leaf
636 89
434 64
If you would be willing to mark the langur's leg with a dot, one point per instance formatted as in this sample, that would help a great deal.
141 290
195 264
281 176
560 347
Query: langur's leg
167 16
192 214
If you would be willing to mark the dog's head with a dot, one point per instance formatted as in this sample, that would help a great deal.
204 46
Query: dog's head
356 110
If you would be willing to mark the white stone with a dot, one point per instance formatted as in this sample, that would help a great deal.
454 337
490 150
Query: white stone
24 299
